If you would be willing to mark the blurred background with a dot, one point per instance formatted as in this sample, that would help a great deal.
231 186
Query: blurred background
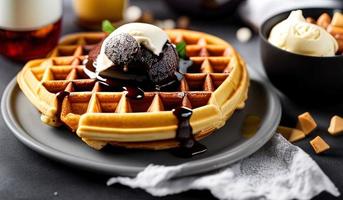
31 28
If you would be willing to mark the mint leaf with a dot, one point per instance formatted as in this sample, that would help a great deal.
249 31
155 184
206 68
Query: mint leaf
181 49
107 27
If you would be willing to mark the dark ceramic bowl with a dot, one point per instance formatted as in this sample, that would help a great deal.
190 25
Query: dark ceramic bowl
304 79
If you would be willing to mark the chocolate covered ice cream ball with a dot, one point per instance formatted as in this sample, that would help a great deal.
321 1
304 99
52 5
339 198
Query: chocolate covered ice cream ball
121 49
161 69
138 52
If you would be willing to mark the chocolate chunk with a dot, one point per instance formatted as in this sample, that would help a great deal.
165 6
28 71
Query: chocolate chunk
161 69
121 49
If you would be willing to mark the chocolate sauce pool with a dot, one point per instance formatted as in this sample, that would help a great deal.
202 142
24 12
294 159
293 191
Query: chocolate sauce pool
188 146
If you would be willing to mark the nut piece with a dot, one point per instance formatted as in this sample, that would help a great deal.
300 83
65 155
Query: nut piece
291 134
306 123
324 20
336 125
319 145
337 19
250 126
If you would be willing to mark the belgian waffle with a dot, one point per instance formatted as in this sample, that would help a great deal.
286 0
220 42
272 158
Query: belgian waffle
213 87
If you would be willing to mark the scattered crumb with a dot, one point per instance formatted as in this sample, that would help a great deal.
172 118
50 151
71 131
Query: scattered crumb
336 125
148 17
165 24
159 23
250 126
183 22
243 34
319 145
133 13
291 134
168 24
55 193
306 123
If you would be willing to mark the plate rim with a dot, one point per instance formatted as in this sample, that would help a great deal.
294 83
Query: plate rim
191 168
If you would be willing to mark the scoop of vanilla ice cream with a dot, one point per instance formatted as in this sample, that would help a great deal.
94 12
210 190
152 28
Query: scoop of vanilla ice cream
150 36
296 35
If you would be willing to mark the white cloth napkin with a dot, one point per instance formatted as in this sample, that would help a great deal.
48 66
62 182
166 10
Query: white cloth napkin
279 171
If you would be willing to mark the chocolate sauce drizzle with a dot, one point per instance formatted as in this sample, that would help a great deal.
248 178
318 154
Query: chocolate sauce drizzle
184 135
133 92
60 96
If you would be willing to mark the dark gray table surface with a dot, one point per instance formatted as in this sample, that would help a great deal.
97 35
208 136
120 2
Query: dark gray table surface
24 174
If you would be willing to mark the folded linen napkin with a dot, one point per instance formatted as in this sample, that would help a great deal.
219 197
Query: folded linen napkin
279 170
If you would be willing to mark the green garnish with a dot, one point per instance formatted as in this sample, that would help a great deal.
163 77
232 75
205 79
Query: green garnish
181 49
107 27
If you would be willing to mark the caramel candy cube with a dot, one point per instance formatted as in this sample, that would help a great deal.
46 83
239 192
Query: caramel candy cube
306 123
337 19
336 31
324 20
319 145
291 134
336 125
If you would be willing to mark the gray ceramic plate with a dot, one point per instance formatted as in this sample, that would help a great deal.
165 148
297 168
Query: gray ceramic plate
225 146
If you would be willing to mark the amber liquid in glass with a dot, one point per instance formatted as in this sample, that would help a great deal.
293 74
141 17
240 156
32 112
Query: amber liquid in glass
90 13
27 45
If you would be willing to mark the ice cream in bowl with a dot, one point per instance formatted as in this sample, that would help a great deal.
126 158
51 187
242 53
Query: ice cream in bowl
301 51
296 35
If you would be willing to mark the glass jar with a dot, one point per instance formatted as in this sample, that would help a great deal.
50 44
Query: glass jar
29 28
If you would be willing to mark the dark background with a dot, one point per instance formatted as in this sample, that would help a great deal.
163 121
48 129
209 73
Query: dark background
24 174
